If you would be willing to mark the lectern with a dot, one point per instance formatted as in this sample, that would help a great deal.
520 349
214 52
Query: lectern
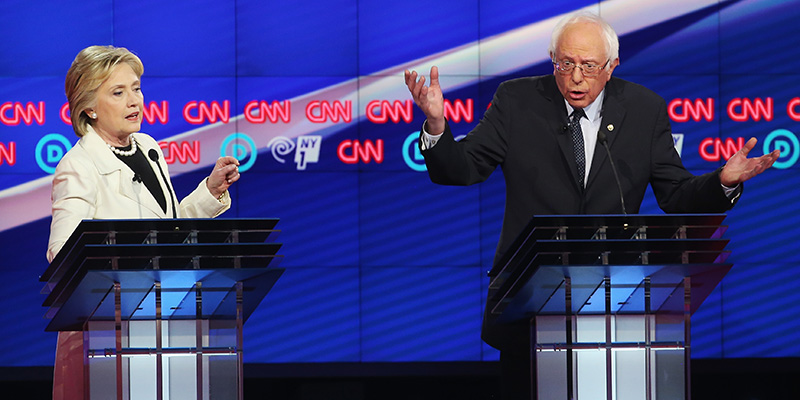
161 303
609 299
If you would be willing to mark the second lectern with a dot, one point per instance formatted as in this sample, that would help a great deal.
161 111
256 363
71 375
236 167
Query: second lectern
609 299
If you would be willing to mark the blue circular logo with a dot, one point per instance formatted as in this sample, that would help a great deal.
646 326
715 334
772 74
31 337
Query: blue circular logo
785 141
240 146
411 153
49 151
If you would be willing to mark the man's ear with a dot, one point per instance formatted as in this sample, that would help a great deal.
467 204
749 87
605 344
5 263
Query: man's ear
614 65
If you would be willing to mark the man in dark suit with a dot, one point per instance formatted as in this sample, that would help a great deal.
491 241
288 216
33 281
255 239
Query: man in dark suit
543 132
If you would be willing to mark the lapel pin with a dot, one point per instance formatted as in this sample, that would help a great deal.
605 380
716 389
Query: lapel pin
610 127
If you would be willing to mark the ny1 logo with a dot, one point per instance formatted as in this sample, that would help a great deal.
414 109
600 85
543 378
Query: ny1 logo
305 151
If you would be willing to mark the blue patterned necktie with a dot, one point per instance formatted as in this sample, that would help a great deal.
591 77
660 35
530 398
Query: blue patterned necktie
577 143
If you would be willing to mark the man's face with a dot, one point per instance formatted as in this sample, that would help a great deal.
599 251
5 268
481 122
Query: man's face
582 43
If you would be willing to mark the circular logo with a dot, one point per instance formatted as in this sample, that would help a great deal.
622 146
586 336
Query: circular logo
785 141
280 146
241 147
411 153
49 151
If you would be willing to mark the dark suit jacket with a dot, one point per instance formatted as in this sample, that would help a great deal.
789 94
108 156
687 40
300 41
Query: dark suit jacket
524 132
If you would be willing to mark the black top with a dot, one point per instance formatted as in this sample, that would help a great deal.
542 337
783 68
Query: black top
142 172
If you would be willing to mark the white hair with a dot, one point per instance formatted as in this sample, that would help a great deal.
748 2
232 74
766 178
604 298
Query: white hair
609 35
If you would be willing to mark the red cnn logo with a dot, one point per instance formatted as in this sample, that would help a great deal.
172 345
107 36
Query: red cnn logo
182 151
152 111
206 113
19 113
381 111
713 149
457 110
680 110
792 107
741 110
64 114
8 155
323 111
351 151
257 112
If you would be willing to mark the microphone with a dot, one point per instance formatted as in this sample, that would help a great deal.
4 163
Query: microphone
601 137
153 154
137 178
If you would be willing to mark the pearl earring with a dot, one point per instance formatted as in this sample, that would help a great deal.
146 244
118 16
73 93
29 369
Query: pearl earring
94 115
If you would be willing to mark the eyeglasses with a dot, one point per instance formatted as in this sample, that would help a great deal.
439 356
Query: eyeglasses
565 67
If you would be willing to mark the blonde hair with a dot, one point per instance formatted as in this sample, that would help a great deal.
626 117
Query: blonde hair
91 67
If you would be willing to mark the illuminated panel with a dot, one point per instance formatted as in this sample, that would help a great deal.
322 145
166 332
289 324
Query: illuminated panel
34 26
307 318
202 45
707 328
400 213
389 115
30 118
753 33
495 17
403 305
673 37
386 40
297 38
319 217
28 343
755 324
295 130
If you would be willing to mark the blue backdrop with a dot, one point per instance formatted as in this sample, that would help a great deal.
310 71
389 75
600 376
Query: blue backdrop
382 265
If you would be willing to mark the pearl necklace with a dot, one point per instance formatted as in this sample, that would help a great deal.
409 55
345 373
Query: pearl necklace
124 153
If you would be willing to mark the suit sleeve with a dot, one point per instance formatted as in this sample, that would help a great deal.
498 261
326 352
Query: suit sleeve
202 204
474 158
675 188
74 198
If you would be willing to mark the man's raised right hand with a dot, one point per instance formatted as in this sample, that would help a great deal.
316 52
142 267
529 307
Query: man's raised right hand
428 98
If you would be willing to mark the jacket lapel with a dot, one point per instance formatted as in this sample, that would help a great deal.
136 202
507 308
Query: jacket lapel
145 148
107 163
613 115
558 125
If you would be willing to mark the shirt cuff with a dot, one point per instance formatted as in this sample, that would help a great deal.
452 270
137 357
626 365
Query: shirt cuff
732 193
427 141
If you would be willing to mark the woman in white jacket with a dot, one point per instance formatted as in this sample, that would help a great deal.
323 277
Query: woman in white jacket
113 172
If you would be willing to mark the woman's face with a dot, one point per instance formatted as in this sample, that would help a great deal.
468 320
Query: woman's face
119 105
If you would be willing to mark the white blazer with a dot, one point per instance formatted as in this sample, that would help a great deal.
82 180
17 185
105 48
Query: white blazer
90 182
